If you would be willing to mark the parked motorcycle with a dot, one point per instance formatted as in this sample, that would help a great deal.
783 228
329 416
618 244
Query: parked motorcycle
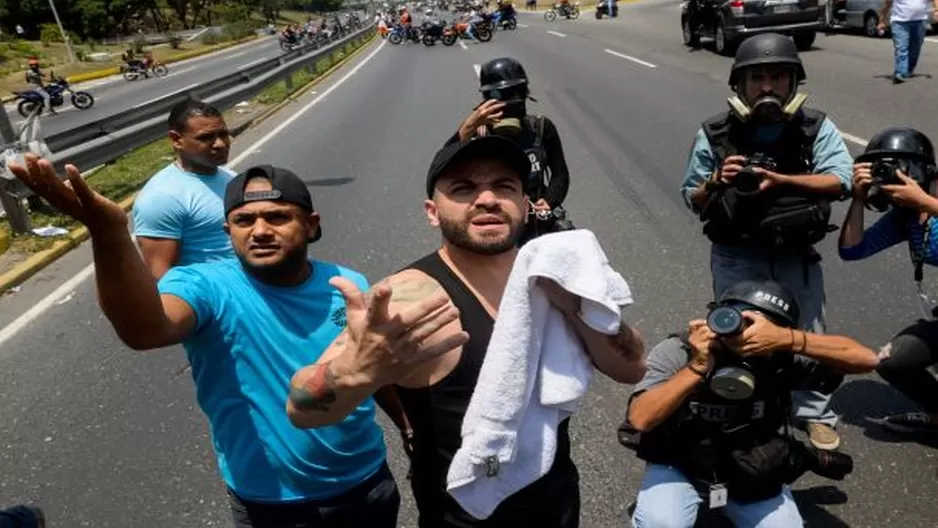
602 8
570 12
397 34
136 71
458 30
32 101
430 32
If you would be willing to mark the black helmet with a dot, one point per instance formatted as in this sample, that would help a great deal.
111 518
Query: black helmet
769 297
500 74
767 49
901 142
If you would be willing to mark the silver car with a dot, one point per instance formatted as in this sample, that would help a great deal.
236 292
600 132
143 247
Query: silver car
729 22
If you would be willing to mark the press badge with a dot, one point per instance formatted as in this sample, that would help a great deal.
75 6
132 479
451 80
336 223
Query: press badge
718 496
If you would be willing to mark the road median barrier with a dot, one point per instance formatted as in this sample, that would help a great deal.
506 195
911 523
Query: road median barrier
122 179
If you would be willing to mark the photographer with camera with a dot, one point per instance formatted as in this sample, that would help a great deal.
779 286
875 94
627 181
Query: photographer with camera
762 176
711 415
896 174
504 87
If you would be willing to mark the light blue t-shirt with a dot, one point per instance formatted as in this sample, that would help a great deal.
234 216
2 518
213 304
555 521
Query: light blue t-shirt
187 207
830 156
250 340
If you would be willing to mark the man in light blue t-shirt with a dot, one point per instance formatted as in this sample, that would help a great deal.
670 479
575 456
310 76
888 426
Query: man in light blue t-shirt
178 214
248 325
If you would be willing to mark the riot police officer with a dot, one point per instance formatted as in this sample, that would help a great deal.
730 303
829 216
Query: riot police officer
896 175
708 415
505 91
762 176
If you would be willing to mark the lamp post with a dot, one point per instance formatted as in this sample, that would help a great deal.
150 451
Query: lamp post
68 44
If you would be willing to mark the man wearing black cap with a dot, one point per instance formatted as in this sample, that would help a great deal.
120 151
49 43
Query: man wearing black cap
475 198
248 324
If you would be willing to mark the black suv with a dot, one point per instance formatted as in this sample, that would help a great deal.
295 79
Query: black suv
728 22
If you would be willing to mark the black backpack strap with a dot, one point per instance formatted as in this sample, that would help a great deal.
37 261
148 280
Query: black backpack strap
536 123
717 130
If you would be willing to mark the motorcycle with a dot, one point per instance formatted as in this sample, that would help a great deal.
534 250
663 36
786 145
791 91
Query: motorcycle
503 21
602 8
398 34
459 30
568 11
32 101
132 72
430 32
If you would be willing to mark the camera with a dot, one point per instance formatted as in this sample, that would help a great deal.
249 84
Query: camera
883 172
553 221
514 99
747 180
725 321
733 377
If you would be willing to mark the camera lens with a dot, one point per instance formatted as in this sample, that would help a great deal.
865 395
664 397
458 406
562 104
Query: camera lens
883 172
725 321
747 181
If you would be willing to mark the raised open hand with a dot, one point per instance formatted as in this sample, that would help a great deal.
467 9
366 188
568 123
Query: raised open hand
73 198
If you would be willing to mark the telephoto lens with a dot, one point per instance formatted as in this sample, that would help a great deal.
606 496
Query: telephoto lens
884 172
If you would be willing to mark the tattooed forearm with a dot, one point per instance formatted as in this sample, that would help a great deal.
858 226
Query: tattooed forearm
411 289
317 391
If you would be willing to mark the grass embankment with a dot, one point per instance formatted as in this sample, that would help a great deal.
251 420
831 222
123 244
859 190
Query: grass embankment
116 181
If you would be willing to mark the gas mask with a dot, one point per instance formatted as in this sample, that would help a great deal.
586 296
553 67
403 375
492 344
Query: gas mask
768 108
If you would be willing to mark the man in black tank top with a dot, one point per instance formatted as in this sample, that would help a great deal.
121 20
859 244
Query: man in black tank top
475 198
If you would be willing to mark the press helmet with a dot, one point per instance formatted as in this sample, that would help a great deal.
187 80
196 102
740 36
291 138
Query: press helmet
767 49
502 74
768 297
902 142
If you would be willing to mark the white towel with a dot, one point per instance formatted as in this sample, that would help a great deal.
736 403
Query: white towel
535 370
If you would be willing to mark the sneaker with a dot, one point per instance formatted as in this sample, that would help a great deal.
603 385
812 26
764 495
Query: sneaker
823 436
899 79
913 422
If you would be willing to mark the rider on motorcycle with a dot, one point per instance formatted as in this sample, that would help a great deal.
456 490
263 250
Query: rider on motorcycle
35 76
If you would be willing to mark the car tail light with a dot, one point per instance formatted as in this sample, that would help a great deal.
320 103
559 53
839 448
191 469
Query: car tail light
736 3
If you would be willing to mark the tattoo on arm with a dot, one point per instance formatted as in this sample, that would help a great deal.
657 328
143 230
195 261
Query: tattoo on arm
413 290
318 392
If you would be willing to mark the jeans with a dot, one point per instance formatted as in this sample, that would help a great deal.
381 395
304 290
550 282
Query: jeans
374 504
667 499
805 279
911 352
907 40
18 517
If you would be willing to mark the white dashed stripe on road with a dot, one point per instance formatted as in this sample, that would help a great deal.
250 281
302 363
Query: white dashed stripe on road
523 25
559 34
854 139
630 58
477 68
463 45
252 63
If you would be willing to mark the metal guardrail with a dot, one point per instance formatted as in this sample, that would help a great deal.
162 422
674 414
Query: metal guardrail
106 139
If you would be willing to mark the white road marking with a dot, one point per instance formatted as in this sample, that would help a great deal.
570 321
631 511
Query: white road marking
854 139
630 58
237 54
559 34
252 63
463 45
477 68
184 70
931 39
523 25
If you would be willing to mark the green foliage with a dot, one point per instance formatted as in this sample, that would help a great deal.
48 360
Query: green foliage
49 33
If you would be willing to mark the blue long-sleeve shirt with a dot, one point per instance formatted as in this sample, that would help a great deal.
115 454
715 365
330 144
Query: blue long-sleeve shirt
896 226
830 157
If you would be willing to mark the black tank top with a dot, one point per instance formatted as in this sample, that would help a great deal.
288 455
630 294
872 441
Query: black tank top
436 412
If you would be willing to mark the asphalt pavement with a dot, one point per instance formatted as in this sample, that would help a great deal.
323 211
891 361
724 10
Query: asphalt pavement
107 437
115 94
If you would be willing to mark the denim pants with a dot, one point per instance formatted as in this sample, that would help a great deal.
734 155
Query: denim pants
18 517
730 265
373 504
666 499
907 41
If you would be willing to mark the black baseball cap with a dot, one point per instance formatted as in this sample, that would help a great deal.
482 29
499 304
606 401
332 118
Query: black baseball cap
285 187
478 147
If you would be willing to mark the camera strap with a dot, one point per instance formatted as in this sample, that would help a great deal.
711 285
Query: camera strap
918 265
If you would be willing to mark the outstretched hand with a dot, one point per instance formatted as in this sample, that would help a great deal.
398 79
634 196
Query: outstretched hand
73 197
384 348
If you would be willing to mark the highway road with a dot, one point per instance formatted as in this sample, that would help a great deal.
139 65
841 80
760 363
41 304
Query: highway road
110 438
115 94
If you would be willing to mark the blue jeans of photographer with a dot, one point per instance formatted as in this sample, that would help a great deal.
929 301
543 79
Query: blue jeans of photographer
667 499
730 265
